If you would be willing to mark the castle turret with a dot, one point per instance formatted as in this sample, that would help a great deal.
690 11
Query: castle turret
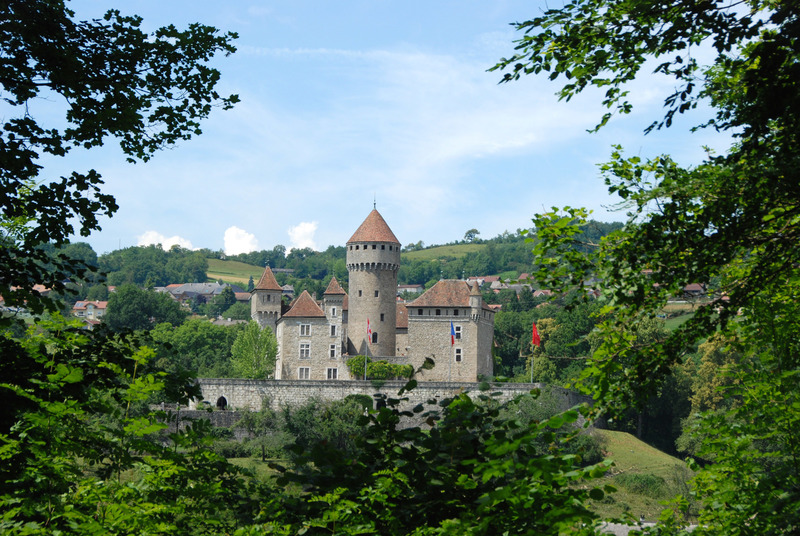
373 258
265 300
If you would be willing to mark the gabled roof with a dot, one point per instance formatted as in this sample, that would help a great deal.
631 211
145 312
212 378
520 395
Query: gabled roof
267 281
445 293
374 229
402 316
84 304
334 288
304 307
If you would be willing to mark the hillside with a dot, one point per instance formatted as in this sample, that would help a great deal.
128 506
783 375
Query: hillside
233 271
644 477
455 251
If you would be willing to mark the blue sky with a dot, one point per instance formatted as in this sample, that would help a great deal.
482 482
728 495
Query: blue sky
343 102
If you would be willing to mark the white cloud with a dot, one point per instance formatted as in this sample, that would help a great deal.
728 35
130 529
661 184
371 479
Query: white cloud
302 235
239 241
154 237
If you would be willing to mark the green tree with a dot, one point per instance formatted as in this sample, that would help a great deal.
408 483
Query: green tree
254 351
473 472
471 235
132 308
76 427
221 302
115 81
196 345
730 222
237 311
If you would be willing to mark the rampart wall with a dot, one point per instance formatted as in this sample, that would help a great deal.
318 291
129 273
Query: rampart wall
237 394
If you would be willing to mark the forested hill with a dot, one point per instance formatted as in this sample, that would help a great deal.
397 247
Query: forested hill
507 254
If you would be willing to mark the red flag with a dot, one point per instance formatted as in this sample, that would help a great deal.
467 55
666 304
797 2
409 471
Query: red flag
369 332
535 340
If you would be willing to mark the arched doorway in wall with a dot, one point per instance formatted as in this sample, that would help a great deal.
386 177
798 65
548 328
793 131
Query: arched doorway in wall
222 403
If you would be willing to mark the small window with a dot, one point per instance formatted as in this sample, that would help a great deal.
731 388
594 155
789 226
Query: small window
455 312
333 330
359 293
390 248
333 312
333 351
374 337
438 312
419 312
374 246
382 315
305 350
333 373
457 330
376 293
303 373
269 297
383 246
356 247
305 330
458 355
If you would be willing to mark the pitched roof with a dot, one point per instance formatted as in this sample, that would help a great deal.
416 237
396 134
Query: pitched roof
305 307
267 281
445 293
402 316
374 229
334 287
84 304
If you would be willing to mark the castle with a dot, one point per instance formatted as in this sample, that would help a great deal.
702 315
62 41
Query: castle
448 323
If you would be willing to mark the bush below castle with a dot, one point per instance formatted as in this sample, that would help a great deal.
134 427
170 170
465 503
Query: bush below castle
378 370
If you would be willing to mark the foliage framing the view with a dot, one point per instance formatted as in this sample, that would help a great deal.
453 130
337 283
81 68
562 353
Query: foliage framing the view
147 90
731 223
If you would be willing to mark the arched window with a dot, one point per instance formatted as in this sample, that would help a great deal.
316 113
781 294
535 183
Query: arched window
222 403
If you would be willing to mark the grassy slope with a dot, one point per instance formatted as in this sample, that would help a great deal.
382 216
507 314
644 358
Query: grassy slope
233 271
456 251
633 457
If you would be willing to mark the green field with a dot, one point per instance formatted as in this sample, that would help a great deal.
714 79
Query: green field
233 271
455 251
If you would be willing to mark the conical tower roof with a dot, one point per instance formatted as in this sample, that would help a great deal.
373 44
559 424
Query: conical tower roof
268 281
334 288
304 307
374 229
474 290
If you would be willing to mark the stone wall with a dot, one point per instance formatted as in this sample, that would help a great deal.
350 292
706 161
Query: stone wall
236 394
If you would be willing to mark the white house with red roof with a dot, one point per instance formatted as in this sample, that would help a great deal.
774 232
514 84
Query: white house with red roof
91 311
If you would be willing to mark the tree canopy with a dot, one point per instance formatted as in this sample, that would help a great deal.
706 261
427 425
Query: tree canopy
146 90
731 222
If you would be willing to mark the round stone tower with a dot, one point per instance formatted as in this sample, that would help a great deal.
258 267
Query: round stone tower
373 257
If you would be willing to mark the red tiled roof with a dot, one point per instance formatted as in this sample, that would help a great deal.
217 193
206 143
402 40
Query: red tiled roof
374 229
268 281
402 316
242 296
334 287
445 293
83 304
305 307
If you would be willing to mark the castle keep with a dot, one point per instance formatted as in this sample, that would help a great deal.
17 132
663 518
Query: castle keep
448 323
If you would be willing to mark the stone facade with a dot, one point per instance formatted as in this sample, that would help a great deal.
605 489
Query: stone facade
233 394
449 323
